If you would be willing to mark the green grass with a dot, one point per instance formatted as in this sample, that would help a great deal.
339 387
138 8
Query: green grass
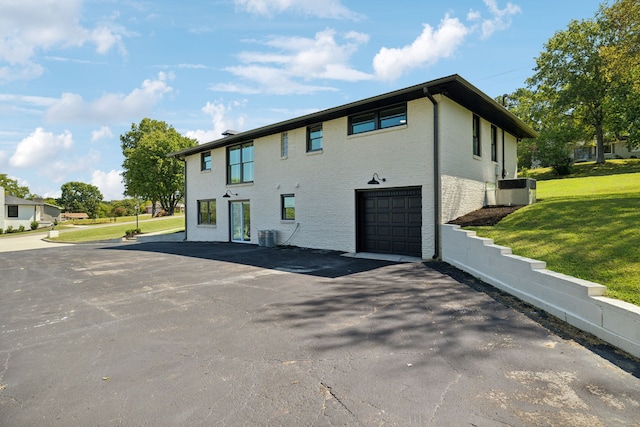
107 232
589 169
584 227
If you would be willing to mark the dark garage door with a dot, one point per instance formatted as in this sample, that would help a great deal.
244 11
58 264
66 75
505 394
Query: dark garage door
390 221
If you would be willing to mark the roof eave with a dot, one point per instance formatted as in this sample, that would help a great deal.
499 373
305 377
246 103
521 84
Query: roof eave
454 87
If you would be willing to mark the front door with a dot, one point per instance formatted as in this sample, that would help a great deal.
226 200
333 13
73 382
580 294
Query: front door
240 222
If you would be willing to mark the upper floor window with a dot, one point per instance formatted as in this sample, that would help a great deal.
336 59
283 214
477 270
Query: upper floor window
207 212
314 138
12 211
476 135
240 163
205 161
494 143
288 207
284 144
379 119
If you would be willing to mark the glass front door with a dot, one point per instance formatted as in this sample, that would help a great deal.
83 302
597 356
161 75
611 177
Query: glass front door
240 222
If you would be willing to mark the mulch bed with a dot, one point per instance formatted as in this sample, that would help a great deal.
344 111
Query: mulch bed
489 215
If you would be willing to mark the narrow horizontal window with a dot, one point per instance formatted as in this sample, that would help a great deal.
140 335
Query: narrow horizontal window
378 119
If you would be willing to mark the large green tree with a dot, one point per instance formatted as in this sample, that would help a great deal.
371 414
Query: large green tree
621 23
148 172
12 187
80 197
571 76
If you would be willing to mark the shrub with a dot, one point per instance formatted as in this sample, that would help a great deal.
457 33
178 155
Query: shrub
1 231
9 229
21 229
562 166
34 225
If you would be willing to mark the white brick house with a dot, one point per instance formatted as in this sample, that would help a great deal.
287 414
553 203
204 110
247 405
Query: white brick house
435 149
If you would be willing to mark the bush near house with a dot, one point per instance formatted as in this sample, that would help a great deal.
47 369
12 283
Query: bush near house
584 227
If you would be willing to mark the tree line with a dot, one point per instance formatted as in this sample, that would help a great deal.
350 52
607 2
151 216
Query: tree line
585 87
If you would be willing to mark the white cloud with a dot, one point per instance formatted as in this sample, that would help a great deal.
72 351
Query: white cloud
434 45
31 26
431 46
333 9
109 183
500 18
297 60
40 147
111 106
221 120
103 132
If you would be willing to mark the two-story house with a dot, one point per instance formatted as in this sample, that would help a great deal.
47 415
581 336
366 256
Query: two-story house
378 175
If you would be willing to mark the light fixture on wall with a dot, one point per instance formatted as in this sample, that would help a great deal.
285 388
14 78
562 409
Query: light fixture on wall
229 194
375 181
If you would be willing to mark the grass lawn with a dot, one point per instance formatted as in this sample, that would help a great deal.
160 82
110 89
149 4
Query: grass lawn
584 227
589 169
106 231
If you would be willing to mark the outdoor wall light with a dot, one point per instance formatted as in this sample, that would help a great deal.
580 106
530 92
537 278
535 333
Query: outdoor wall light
229 194
375 181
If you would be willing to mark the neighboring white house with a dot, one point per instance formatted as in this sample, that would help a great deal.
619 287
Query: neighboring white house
587 151
377 175
18 212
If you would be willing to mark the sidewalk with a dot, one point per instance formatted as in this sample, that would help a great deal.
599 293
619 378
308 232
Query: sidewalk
25 242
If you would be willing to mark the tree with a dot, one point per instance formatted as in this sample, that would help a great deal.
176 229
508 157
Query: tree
571 76
80 197
12 187
148 172
555 131
621 22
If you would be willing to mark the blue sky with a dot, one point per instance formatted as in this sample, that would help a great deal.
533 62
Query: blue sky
74 74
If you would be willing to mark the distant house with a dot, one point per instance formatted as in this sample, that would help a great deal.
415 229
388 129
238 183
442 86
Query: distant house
151 211
377 175
66 216
18 212
587 151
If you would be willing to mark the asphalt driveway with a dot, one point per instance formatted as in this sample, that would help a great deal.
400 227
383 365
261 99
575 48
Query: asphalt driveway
168 334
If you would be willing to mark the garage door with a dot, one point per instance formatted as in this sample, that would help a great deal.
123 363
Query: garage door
390 221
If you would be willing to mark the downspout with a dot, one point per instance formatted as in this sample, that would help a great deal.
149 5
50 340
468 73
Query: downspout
436 175
504 170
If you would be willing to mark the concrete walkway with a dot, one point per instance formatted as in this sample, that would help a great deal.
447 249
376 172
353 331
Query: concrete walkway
25 242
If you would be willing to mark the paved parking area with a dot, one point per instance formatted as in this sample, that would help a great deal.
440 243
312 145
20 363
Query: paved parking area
168 334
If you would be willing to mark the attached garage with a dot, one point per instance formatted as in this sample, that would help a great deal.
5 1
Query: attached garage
390 221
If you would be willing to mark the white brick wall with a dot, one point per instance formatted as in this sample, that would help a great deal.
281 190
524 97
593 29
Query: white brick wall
576 301
325 183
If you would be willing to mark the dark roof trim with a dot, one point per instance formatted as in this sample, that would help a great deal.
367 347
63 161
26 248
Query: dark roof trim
12 200
453 87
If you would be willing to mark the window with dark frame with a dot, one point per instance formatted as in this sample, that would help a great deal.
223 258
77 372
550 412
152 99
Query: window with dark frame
207 212
494 143
240 163
284 144
205 161
12 211
476 135
314 138
378 119
288 207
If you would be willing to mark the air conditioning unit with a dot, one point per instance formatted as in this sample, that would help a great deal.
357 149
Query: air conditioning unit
515 192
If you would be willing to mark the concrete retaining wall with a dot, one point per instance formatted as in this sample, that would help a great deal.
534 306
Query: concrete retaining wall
576 301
